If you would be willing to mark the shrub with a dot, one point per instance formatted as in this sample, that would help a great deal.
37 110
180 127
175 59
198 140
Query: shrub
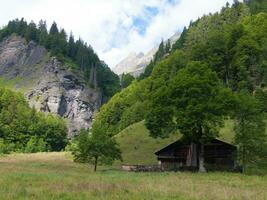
6 148
35 144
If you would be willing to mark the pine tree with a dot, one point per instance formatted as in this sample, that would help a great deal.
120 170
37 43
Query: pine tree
71 46
53 30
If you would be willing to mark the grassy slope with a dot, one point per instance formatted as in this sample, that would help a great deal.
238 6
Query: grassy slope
24 83
46 176
138 147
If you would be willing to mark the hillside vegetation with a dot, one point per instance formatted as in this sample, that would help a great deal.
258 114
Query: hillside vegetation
77 55
47 176
231 43
23 129
217 70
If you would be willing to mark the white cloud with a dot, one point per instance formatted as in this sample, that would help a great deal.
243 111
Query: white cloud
108 25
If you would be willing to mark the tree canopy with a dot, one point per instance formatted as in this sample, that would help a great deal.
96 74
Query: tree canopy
194 102
25 129
96 147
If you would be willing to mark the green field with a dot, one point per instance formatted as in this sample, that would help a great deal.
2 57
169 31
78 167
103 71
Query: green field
51 176
54 176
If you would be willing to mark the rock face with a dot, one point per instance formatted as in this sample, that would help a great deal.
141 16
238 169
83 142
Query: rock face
47 84
135 64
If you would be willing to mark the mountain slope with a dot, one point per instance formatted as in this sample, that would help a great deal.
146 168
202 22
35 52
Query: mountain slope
48 84
56 73
135 64
232 43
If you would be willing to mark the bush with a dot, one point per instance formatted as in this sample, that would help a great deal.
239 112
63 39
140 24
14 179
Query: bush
72 145
36 144
6 148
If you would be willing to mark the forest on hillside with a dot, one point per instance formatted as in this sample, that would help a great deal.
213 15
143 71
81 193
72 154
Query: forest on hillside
74 53
193 125
217 70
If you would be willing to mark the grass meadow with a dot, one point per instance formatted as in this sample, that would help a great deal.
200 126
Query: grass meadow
48 176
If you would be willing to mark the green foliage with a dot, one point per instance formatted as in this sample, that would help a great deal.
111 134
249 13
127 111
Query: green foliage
19 124
82 55
195 87
198 32
108 81
35 144
126 80
251 137
5 148
193 102
96 147
123 109
257 6
179 44
261 96
162 52
235 50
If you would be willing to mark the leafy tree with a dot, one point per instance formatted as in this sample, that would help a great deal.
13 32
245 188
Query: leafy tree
19 124
193 103
257 6
250 131
119 112
96 148
5 148
261 96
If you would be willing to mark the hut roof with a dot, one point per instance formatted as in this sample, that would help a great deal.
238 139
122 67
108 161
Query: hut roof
183 141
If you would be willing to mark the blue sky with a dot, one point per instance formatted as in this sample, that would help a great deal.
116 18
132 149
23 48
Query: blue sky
142 22
114 28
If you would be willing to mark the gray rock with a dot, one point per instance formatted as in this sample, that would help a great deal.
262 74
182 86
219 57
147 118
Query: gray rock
47 84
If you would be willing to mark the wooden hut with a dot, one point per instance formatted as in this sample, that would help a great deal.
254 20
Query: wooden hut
183 155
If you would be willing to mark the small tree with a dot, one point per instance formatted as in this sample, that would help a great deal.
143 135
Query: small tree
96 147
250 131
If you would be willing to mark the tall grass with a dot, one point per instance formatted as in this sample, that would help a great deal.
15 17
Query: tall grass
48 176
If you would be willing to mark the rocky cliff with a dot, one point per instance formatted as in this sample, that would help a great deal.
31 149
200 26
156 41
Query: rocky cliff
135 64
47 84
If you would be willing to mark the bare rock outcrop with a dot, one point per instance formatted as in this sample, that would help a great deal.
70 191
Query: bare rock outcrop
47 84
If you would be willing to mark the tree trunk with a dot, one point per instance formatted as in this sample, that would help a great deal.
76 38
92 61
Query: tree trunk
201 158
95 163
243 161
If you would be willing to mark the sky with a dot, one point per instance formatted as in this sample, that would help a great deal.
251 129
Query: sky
114 28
